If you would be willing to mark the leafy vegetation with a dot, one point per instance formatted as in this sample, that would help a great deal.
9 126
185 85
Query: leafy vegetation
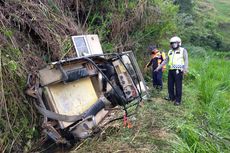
221 14
206 128
33 33
201 124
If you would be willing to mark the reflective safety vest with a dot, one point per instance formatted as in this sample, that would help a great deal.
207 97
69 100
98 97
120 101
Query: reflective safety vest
176 59
164 57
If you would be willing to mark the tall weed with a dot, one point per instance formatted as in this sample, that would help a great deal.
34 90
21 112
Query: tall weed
207 128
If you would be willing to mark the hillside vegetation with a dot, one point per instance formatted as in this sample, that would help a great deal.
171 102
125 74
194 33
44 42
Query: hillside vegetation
200 125
222 15
34 33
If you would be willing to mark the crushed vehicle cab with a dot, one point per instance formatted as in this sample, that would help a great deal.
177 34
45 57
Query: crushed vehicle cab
75 95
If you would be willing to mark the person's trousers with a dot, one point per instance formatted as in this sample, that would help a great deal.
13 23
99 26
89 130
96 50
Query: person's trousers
157 78
175 78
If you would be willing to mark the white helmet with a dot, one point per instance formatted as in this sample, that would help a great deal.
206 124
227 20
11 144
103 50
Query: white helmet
176 39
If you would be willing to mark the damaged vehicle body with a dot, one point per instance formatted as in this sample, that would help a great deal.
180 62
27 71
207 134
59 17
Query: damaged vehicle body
75 95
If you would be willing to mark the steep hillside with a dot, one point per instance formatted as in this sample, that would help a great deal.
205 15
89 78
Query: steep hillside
223 17
222 9
34 33
201 124
219 11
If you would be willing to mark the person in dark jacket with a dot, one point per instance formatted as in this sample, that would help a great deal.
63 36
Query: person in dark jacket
155 61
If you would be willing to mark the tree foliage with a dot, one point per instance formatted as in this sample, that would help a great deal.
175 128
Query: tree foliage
198 26
186 6
33 33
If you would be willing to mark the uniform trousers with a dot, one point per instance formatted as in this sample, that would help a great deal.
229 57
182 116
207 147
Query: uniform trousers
175 78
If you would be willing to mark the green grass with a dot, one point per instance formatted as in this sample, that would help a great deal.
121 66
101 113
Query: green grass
222 15
152 130
201 124
207 128
222 9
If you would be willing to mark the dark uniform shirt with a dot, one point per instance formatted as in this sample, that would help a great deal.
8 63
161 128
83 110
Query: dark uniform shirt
154 62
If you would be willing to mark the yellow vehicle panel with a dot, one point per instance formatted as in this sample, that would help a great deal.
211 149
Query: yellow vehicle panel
72 98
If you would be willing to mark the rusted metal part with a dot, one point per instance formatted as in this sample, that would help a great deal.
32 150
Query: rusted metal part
53 133
31 85
31 92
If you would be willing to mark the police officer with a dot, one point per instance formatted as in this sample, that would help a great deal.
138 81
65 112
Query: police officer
177 60
155 61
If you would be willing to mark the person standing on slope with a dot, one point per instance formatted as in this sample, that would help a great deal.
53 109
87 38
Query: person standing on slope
177 61
157 58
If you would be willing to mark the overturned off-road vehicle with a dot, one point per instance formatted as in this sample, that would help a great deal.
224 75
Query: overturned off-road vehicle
75 95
